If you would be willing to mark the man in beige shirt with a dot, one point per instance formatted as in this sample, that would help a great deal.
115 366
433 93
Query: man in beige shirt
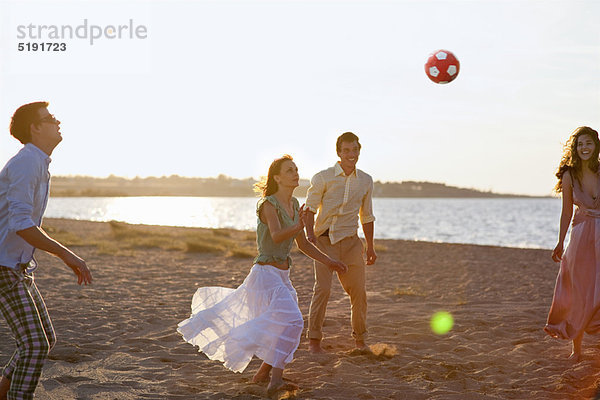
341 194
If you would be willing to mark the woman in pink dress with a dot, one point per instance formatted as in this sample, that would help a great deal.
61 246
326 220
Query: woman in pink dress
576 304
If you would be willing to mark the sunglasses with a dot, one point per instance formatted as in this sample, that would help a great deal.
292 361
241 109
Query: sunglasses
50 118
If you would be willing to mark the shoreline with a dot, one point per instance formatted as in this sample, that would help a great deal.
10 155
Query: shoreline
116 194
228 186
254 232
101 193
117 338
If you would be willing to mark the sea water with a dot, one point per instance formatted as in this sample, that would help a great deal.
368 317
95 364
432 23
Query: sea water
511 222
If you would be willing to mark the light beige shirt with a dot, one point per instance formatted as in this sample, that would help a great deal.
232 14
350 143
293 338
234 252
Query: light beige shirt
340 200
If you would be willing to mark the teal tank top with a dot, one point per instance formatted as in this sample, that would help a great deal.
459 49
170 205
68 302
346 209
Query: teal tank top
269 251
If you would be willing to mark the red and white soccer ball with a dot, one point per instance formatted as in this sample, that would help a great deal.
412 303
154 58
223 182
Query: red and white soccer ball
442 66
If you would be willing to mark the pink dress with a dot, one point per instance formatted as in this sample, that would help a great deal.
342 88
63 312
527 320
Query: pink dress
576 304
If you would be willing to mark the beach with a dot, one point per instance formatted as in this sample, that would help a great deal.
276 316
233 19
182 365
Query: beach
117 338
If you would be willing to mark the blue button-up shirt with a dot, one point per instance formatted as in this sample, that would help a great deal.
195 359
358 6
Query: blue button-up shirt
24 188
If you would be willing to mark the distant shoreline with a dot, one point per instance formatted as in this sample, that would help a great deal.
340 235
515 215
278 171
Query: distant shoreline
114 194
224 186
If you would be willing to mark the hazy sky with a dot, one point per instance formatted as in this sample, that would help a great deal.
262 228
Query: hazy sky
211 87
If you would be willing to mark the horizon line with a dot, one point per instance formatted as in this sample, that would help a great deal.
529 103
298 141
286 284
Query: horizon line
549 194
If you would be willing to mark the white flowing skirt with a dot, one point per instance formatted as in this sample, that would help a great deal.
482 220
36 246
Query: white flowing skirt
261 317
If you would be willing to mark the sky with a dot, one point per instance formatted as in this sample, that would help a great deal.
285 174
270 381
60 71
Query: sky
202 88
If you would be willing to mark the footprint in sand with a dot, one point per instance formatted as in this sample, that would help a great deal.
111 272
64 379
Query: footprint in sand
377 352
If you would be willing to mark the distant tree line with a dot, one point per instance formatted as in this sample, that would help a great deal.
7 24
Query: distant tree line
225 186
428 189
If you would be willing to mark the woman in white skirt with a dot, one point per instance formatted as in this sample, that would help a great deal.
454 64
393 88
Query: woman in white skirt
261 317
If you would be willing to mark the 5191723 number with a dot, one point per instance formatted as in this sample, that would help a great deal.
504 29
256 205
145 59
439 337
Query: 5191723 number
43 46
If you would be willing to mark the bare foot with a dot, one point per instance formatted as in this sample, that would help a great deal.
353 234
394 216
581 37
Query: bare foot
279 386
575 357
260 377
361 345
263 374
314 346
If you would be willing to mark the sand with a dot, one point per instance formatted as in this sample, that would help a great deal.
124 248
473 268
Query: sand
117 338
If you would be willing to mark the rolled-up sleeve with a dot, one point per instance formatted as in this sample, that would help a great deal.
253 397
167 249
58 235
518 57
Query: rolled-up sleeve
315 192
366 208
20 196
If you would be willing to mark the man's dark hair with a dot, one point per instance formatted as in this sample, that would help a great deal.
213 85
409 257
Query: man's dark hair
346 137
20 124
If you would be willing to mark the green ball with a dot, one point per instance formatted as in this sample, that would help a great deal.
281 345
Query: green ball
441 322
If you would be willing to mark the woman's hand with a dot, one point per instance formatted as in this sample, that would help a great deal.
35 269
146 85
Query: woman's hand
557 252
302 215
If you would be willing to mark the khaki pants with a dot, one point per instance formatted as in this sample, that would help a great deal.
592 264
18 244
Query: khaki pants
350 251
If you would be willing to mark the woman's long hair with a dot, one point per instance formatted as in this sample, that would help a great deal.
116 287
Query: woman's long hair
267 185
571 161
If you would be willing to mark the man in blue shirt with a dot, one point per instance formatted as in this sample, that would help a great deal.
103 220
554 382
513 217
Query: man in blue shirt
24 188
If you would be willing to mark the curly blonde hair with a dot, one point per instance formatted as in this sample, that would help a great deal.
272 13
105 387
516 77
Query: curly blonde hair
570 159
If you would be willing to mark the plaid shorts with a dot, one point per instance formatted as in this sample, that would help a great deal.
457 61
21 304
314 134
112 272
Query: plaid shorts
24 310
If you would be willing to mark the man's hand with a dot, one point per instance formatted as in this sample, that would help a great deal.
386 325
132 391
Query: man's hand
308 218
338 266
371 256
79 267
